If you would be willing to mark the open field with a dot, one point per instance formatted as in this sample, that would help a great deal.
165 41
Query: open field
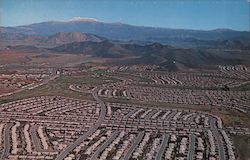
57 87
242 145
43 59
8 57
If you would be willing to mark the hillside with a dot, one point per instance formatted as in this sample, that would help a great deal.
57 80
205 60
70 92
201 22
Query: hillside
125 32
47 41
163 55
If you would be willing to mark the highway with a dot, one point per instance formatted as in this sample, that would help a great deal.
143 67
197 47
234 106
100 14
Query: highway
191 147
28 87
164 144
104 145
6 148
134 145
72 146
45 81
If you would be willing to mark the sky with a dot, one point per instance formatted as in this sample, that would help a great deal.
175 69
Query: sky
185 14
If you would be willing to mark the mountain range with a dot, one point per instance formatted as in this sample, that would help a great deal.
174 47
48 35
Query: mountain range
47 41
125 32
163 55
168 48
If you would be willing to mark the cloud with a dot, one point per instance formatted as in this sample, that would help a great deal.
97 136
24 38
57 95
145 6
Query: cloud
84 19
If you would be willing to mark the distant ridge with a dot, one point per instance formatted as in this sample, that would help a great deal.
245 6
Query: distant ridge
163 55
126 32
47 41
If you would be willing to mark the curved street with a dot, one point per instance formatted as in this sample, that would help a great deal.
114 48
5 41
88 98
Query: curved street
6 145
163 146
35 138
134 145
72 146
191 147
105 145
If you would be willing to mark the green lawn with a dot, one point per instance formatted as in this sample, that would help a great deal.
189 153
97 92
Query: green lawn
58 87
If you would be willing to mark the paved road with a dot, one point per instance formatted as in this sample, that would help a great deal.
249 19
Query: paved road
149 115
191 147
170 116
213 124
130 113
218 138
45 81
104 145
134 145
164 144
191 118
220 144
72 146
35 139
6 149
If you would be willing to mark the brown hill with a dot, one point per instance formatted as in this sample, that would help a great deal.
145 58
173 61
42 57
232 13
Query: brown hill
46 41
163 55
